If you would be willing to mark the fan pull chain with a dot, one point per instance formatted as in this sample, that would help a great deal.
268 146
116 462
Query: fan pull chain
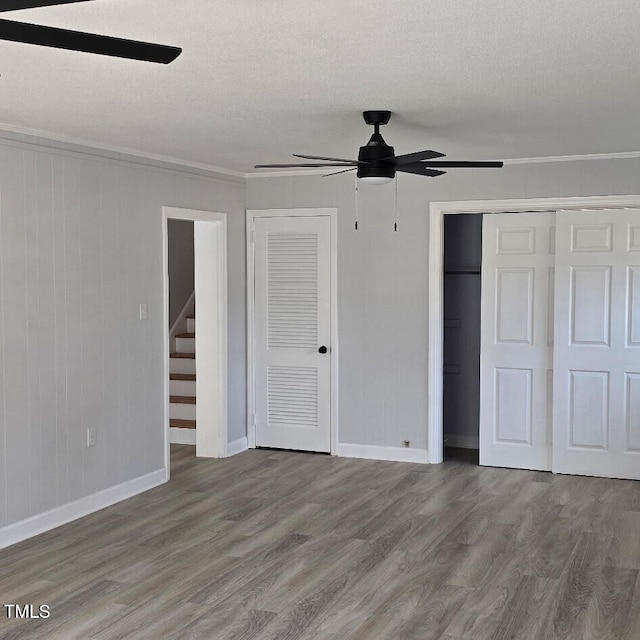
395 211
356 188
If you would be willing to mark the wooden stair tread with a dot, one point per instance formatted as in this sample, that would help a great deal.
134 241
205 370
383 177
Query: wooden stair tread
191 377
178 354
182 399
186 335
182 424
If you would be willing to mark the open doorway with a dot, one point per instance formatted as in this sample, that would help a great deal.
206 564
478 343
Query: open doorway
461 348
209 325
182 343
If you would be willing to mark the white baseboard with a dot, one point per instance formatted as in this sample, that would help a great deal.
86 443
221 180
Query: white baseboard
237 446
188 436
374 452
182 436
462 442
19 531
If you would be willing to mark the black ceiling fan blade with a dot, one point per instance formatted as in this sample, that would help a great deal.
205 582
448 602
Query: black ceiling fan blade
408 158
297 155
420 170
461 164
335 173
87 42
16 5
276 166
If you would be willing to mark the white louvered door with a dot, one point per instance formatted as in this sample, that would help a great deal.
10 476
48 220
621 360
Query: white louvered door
597 353
292 320
516 340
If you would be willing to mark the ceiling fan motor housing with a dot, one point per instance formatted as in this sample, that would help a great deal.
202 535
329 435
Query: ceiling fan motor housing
376 149
373 153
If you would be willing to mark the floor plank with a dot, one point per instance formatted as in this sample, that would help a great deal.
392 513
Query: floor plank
279 545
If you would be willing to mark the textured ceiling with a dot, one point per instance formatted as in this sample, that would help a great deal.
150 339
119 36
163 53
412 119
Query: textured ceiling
261 79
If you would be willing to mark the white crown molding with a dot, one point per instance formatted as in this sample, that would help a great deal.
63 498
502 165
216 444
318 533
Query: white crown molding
64 143
286 174
133 155
576 158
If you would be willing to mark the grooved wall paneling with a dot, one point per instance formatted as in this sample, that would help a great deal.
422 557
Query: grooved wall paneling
383 276
80 249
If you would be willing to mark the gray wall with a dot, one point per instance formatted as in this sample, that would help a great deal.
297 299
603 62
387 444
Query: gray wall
181 266
383 276
80 248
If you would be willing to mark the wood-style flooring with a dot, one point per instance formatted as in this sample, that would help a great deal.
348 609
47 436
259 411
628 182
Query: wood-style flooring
277 545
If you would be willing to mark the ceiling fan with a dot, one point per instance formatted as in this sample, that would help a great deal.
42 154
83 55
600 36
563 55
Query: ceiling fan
78 40
377 162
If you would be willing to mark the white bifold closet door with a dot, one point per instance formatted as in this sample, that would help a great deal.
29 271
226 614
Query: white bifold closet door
516 340
292 332
596 412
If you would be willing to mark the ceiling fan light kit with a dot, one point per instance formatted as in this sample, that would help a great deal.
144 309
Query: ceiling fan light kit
377 162
375 179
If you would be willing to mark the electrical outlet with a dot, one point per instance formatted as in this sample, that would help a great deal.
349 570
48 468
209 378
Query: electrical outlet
143 311
406 443
92 438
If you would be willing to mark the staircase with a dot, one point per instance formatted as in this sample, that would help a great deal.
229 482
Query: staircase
182 379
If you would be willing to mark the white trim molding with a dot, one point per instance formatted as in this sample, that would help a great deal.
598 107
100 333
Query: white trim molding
237 446
252 214
210 242
26 136
437 211
58 516
375 452
66 144
624 155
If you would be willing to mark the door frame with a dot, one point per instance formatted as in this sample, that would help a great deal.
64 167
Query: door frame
252 215
437 211
211 432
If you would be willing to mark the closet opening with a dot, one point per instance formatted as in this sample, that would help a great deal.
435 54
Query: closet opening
461 347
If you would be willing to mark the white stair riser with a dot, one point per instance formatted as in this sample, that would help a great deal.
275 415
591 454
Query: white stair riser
182 411
191 325
182 365
182 387
186 345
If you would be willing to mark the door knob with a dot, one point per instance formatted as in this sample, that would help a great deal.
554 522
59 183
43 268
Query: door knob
322 349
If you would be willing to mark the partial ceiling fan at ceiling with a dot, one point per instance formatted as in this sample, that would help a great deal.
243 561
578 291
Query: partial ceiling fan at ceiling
78 40
377 162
